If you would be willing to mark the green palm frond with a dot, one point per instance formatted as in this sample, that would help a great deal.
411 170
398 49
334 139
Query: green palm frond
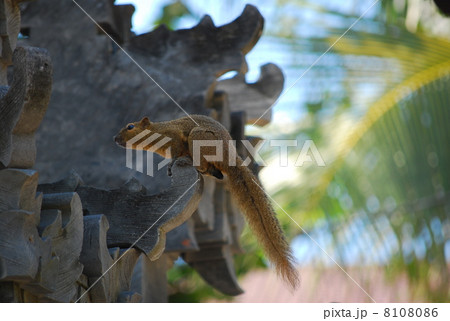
388 158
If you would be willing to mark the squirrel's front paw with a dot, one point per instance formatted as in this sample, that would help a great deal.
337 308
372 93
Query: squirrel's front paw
181 161
184 161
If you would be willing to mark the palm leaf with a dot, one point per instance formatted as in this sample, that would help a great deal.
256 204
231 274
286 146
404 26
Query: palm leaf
385 192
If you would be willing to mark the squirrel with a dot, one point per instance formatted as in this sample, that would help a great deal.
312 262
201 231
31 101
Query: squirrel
242 184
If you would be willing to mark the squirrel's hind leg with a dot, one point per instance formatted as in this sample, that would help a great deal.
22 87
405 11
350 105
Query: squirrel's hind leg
199 135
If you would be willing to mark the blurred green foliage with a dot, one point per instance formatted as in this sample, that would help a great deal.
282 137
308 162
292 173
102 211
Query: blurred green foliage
171 13
385 142
377 108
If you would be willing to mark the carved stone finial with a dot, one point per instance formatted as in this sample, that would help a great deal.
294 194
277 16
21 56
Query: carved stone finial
23 105
254 98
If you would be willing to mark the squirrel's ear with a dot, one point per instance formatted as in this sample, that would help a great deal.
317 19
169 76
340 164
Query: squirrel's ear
145 121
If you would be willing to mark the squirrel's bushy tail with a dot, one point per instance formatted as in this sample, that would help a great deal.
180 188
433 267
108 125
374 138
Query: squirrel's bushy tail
253 202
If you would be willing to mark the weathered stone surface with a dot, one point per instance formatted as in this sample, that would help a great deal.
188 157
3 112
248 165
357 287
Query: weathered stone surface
109 276
215 264
214 261
23 105
221 233
204 215
20 246
129 297
66 243
18 191
24 256
237 131
182 239
9 30
37 96
114 20
143 220
19 214
150 279
235 217
67 184
82 287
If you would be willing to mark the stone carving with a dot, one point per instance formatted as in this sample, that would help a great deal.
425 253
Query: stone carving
68 238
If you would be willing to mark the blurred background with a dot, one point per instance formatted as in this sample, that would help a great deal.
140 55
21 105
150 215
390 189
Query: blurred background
377 108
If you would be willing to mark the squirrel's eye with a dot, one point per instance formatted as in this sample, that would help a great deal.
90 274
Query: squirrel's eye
130 127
